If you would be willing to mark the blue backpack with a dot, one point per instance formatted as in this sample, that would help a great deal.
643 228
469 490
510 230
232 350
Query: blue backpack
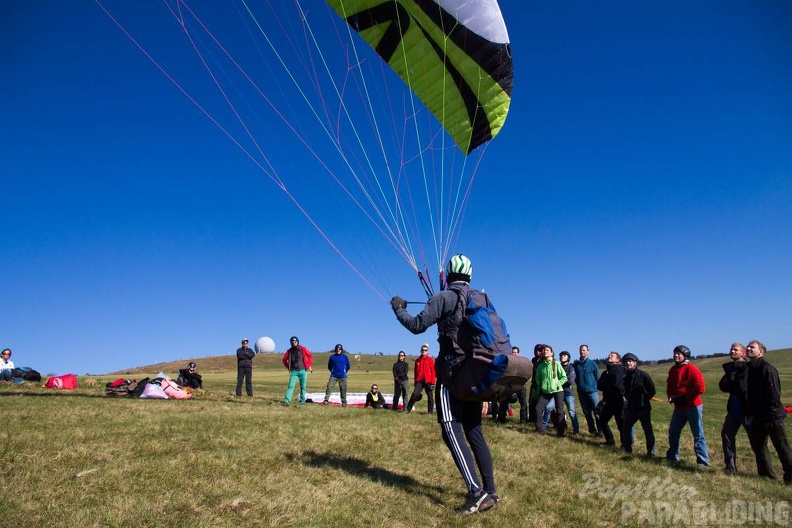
487 371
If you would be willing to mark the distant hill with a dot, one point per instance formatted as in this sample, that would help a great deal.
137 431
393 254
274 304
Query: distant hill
228 363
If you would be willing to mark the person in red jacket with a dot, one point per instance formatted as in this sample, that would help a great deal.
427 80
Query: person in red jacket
425 379
298 360
684 389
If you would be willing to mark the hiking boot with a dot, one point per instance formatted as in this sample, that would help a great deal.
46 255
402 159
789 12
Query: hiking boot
476 502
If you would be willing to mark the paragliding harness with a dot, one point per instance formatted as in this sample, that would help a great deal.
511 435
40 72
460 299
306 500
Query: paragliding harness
485 370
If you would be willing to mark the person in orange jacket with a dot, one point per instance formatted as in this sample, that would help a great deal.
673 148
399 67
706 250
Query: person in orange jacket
425 379
298 360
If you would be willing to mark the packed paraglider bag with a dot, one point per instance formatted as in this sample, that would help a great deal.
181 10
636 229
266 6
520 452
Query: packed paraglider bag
487 371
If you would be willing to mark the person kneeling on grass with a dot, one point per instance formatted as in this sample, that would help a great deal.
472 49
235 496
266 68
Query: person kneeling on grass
375 399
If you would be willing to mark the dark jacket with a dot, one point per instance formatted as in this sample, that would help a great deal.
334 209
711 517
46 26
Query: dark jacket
571 376
400 371
735 383
441 309
245 357
639 389
764 392
611 383
379 403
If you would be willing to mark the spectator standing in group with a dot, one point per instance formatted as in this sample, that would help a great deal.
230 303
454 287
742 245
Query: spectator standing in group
538 354
298 360
424 379
766 414
611 383
401 381
338 365
550 379
6 365
569 397
503 408
375 399
735 383
639 389
684 389
245 356
586 378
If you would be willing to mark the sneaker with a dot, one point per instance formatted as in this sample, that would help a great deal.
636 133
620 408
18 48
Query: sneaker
325 402
476 502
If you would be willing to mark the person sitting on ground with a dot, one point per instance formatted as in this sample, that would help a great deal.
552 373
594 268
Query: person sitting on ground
6 365
375 399
189 378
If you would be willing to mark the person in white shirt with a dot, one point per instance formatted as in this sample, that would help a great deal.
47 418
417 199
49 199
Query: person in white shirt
6 365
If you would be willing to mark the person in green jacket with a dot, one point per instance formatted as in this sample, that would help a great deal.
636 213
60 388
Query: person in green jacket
550 379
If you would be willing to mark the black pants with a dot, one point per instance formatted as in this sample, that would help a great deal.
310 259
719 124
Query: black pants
421 386
610 410
245 373
645 417
542 405
503 407
758 433
731 426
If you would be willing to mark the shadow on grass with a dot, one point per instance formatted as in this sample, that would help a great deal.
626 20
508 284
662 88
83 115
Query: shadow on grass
362 468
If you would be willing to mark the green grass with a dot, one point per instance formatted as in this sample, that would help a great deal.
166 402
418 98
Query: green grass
80 459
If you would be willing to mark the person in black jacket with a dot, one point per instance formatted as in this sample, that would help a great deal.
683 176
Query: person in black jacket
766 414
734 382
611 383
639 389
189 378
245 356
401 381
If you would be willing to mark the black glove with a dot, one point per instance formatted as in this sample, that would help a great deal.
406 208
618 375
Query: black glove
566 385
397 302
679 400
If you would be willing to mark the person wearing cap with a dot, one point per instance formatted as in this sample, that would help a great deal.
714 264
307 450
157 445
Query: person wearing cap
586 376
245 356
298 361
338 365
734 382
401 381
684 388
611 383
460 421
569 396
425 379
189 378
639 389
766 414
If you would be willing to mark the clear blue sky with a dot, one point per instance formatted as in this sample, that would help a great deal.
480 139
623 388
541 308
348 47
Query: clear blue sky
637 198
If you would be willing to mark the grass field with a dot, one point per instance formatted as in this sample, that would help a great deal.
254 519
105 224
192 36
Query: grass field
79 459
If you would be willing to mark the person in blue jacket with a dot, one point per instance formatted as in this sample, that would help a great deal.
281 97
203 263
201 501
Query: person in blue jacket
586 377
338 365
